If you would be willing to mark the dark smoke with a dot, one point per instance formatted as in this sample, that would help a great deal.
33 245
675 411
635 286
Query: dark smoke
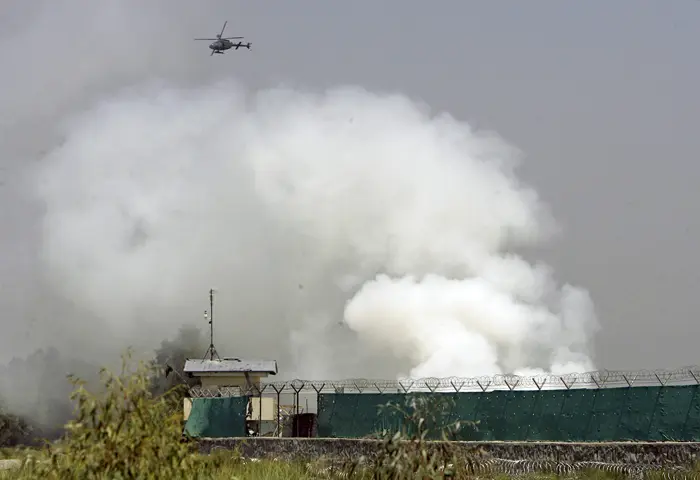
171 355
38 404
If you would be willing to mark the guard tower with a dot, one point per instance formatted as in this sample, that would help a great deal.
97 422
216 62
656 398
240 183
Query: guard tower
262 412
233 376
230 372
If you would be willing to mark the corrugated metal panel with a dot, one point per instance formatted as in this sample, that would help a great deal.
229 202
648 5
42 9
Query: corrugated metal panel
231 365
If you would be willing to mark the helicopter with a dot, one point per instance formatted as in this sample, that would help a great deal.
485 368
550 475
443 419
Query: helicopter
219 44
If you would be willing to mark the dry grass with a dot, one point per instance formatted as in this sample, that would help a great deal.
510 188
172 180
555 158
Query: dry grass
228 465
276 470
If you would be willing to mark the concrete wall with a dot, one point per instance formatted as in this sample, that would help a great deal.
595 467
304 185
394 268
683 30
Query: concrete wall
230 380
653 453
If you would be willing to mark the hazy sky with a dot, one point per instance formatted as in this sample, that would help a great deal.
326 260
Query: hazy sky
600 96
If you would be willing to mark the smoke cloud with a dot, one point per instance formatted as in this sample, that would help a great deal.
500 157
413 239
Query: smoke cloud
347 233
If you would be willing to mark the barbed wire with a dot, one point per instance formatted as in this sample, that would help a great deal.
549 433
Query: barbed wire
590 380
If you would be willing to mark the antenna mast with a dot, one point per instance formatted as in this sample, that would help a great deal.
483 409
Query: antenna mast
211 351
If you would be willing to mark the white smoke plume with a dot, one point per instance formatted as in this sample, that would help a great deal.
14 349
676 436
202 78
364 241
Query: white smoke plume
347 233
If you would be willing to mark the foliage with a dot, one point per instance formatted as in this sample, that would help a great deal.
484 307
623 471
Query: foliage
14 430
227 467
125 432
231 467
407 453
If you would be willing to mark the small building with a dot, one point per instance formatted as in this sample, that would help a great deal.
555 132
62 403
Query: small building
245 374
230 372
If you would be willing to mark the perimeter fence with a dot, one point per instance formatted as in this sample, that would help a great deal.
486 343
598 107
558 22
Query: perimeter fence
661 405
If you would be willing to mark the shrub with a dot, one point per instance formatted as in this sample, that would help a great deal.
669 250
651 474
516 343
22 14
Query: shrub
124 432
14 430
408 453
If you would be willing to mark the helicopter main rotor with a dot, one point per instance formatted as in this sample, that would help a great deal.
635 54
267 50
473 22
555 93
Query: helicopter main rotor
219 35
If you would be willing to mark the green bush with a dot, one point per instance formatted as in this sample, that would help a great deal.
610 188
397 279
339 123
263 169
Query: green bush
14 430
123 432
407 453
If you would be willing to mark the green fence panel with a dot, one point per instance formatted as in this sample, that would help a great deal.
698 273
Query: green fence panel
217 417
614 414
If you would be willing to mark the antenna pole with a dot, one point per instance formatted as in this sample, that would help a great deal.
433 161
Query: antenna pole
210 315
212 351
